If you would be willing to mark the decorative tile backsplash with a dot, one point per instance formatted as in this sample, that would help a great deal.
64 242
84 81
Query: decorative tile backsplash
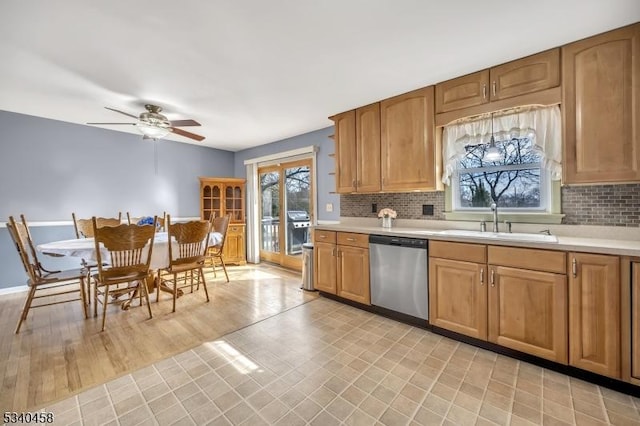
609 205
606 205
407 204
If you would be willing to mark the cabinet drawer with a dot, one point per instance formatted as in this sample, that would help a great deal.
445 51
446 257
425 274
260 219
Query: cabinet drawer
324 236
539 260
351 239
235 229
458 251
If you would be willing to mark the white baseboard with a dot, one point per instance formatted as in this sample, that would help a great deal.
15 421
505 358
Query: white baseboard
11 290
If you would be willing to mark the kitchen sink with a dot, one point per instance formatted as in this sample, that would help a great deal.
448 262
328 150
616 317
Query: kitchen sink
502 236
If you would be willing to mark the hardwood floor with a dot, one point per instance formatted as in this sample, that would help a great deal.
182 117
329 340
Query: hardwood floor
58 353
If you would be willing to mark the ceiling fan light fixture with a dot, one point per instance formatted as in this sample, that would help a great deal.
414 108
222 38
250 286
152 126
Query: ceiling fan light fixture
153 131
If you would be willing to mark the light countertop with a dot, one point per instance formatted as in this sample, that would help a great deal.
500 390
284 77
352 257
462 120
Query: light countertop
595 240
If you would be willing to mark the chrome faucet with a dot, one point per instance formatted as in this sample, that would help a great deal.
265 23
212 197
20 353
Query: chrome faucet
494 209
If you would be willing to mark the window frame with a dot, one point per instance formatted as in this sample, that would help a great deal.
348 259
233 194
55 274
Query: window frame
545 189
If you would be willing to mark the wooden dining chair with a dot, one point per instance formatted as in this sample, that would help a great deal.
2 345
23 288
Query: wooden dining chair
161 227
214 253
125 267
188 243
84 227
46 287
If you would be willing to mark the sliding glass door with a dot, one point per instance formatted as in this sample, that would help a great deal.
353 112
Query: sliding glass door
286 211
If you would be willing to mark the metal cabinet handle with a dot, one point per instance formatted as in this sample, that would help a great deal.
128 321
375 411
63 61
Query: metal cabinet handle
494 88
484 91
351 239
323 236
493 278
481 276
574 267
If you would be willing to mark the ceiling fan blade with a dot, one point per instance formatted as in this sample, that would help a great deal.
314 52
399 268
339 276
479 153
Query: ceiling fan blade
183 123
187 134
122 112
129 124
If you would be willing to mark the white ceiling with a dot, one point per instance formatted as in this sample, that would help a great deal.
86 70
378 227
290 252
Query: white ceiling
257 71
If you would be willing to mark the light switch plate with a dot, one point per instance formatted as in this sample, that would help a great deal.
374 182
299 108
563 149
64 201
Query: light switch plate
329 207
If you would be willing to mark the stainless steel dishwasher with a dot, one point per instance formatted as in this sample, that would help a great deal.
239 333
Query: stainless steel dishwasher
399 274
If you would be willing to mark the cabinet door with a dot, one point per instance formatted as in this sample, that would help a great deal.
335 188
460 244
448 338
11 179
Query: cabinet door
600 107
463 92
211 196
528 311
368 148
345 154
325 267
594 313
353 274
234 247
635 320
526 75
408 141
234 202
458 296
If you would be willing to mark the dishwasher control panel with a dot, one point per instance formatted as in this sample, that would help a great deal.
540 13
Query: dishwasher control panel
398 241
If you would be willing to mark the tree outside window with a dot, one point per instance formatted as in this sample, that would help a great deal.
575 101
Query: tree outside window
514 181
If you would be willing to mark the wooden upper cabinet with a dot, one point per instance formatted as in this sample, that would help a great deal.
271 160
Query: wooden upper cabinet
368 148
516 78
594 313
408 141
345 154
463 92
601 108
221 196
527 75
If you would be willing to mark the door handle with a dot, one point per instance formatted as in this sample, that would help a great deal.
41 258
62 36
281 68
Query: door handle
574 267
484 91
481 276
494 88
351 239
493 278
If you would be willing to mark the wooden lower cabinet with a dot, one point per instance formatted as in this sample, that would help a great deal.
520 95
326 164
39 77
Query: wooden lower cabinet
341 265
635 322
325 267
353 274
528 311
234 245
594 313
521 303
458 296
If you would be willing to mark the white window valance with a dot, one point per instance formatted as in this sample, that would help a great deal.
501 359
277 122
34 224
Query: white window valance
541 124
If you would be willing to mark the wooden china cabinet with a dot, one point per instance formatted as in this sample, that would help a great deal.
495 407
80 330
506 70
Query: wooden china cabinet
221 195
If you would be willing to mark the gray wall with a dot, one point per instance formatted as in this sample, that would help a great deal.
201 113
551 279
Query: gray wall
325 165
49 169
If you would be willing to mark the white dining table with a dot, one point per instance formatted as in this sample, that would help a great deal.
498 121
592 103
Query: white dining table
85 248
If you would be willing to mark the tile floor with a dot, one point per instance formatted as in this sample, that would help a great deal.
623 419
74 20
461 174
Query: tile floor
325 363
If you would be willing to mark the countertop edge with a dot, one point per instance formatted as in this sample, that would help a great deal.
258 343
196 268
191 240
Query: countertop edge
586 245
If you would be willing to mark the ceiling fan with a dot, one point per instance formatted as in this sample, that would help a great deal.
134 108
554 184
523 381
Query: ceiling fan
154 125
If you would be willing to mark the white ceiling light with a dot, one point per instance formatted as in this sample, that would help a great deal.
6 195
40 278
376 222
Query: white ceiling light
153 131
152 124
